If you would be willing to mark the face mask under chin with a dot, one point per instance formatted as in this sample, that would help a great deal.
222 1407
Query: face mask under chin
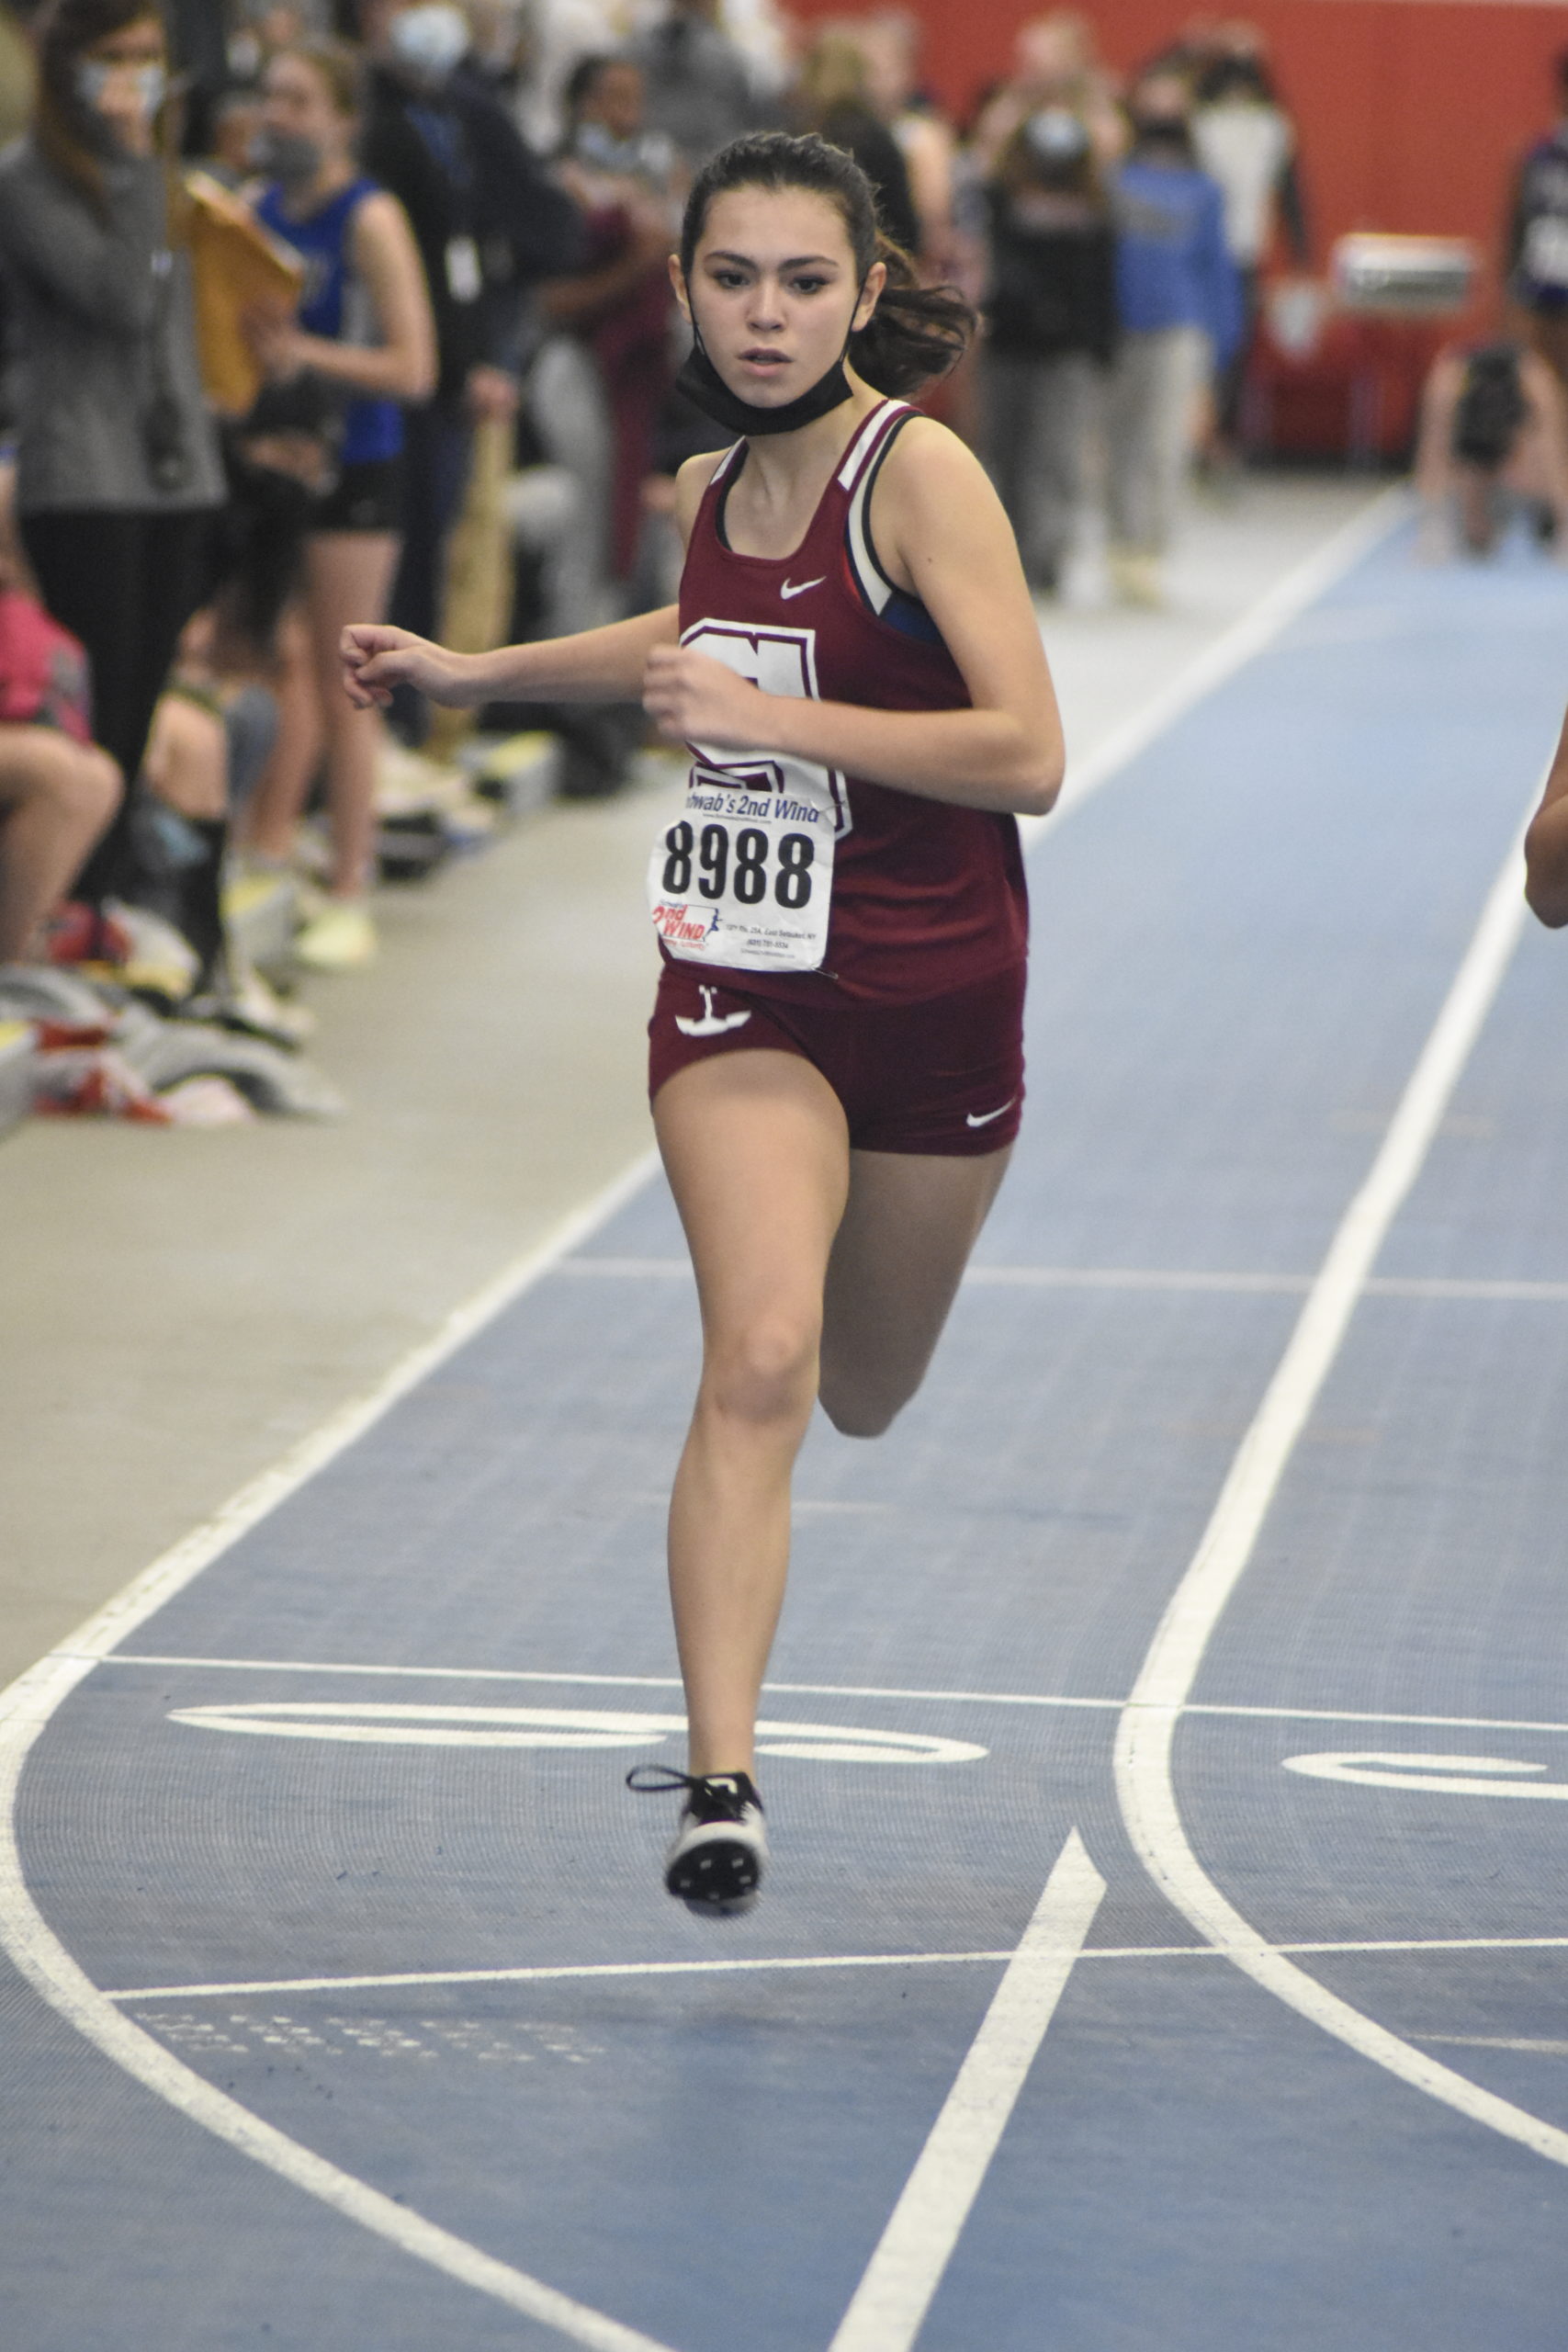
282 156
703 385
94 74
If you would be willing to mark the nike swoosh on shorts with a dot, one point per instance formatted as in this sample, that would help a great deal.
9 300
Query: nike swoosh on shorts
985 1117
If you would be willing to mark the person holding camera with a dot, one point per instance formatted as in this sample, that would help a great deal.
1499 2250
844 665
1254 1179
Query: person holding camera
119 471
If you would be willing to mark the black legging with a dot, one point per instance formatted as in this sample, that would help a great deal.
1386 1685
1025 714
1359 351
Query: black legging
125 582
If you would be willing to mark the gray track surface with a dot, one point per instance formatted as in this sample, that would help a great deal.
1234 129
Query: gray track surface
1241 945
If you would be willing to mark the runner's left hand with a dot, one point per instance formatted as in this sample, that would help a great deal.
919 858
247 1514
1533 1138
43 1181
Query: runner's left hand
695 699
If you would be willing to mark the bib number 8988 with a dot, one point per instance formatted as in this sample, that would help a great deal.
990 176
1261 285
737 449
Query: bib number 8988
739 867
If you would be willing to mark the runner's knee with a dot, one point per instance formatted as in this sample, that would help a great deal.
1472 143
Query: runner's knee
765 1372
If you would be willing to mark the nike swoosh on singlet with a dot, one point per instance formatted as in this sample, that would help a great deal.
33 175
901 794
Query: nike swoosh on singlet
798 587
986 1117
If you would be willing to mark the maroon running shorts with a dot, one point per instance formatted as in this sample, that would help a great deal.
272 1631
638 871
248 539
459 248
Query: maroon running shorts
944 1077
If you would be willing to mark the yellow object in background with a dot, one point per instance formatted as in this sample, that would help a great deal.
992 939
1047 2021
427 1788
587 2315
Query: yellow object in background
240 267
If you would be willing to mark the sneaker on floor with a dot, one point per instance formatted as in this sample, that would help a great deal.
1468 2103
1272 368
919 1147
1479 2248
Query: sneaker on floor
340 938
714 1865
1136 578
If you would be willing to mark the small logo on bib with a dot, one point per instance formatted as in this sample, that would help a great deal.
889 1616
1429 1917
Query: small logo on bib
711 1025
682 925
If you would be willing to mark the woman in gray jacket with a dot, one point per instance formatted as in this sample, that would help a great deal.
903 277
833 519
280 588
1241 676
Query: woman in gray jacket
118 473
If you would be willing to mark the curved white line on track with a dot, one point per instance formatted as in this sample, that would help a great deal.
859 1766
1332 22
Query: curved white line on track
1146 1735
27 1705
26 1708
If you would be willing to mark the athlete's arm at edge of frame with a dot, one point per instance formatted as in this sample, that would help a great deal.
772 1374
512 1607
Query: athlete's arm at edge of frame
941 534
1546 845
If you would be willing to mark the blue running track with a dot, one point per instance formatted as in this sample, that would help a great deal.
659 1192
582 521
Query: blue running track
340 1829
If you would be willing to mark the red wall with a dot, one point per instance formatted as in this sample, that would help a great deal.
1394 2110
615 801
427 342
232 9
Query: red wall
1412 112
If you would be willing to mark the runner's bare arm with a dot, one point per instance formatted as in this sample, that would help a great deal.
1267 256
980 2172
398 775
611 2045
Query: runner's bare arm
596 665
1546 845
943 536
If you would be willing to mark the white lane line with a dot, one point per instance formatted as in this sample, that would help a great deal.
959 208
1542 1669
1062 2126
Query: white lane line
552 1974
405 1673
49 1967
1258 626
26 1708
168 1575
1177 1279
588 1968
1460 1286
826 1690
1537 2048
1146 1735
889 2306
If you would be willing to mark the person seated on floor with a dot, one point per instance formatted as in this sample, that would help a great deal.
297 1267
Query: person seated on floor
1546 845
57 797
58 790
1494 438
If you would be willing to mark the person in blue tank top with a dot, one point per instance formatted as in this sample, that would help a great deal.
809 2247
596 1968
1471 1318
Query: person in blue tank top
362 345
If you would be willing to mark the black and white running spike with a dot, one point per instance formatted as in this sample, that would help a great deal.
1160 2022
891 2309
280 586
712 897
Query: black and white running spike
714 1865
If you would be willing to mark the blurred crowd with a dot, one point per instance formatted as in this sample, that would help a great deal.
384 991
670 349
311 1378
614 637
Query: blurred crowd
350 309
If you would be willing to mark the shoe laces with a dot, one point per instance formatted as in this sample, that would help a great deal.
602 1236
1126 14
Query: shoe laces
710 1797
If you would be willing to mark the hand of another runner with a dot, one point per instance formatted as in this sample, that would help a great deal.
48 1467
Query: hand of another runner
695 699
375 658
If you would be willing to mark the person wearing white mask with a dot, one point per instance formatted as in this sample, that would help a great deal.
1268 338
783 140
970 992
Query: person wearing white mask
488 221
118 474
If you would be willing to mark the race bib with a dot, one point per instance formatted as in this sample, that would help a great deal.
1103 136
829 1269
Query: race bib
744 876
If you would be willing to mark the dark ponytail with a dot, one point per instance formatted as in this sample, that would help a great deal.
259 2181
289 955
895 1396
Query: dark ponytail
916 332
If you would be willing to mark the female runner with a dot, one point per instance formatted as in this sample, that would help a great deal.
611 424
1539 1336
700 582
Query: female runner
837 1063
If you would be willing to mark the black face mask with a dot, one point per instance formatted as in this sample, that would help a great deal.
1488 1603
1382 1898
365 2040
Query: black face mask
703 385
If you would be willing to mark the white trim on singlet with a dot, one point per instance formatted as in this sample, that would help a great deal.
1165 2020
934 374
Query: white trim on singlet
870 578
861 448
725 461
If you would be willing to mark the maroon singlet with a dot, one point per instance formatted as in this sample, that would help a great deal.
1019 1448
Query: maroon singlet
926 898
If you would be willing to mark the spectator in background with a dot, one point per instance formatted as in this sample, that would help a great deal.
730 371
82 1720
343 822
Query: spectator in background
1245 139
56 798
235 121
365 338
1051 318
700 90
1538 238
1179 299
890 43
1494 438
488 222
58 790
597 399
832 97
119 471
497 41
1053 65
